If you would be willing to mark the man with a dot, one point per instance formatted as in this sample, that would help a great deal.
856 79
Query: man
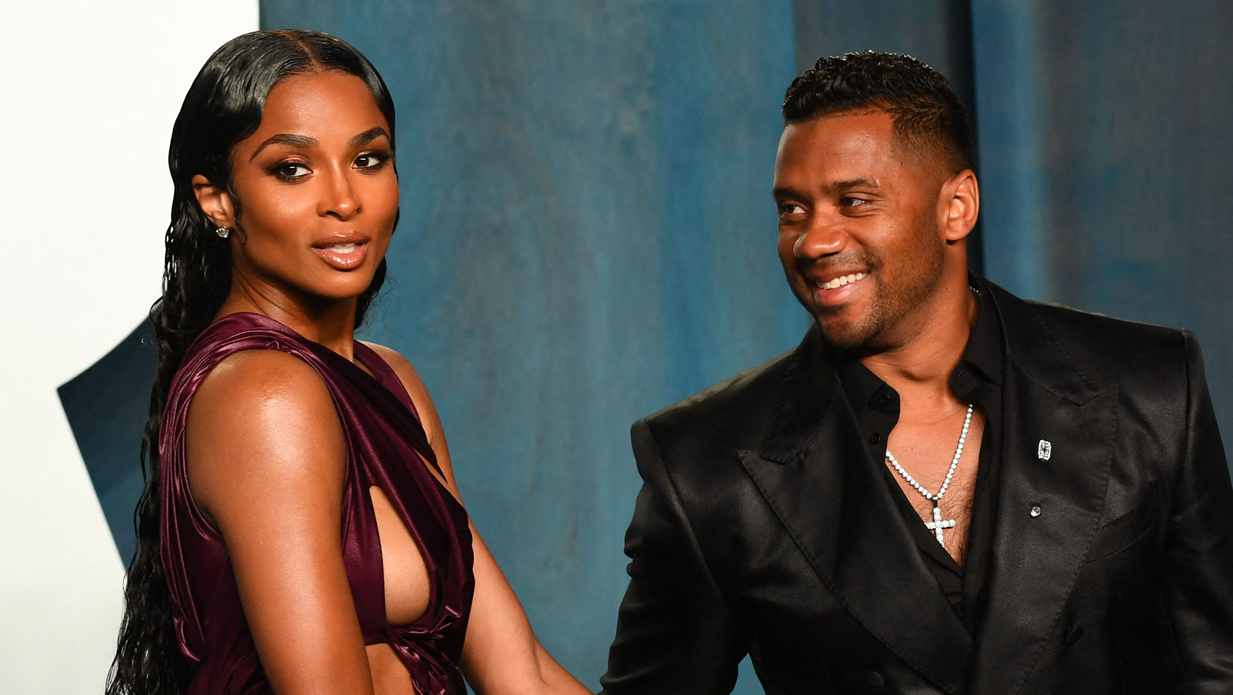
944 488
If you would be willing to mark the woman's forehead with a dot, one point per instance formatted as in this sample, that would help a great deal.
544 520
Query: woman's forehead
327 106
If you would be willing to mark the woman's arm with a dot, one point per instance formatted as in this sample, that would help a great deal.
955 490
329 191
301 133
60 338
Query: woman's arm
265 463
501 655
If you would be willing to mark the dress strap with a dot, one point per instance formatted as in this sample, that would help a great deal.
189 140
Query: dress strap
386 375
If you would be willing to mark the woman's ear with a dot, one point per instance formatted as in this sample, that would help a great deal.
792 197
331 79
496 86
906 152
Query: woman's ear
215 202
960 203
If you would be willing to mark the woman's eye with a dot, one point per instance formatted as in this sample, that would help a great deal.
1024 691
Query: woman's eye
369 160
290 170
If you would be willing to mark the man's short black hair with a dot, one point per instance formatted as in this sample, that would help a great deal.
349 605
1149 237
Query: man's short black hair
928 118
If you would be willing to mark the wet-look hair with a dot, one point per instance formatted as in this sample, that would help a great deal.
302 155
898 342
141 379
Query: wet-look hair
223 106
929 120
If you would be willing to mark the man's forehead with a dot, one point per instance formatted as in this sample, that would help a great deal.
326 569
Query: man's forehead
833 149
855 136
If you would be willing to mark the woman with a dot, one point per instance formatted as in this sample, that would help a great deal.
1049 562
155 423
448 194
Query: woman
300 530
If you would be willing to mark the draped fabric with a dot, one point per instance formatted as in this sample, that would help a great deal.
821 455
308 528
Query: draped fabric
385 447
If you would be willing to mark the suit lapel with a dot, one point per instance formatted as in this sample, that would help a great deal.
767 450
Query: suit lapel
1048 506
834 502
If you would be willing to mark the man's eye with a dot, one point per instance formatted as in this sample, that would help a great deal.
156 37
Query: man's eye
290 170
790 209
850 202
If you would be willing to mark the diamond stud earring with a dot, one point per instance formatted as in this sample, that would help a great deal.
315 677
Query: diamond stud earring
222 231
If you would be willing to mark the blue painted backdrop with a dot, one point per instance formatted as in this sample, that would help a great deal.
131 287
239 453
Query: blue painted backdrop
1106 135
587 233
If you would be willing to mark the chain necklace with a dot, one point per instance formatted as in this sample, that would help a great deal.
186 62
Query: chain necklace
937 525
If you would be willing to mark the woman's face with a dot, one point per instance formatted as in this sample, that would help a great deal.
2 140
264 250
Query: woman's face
317 191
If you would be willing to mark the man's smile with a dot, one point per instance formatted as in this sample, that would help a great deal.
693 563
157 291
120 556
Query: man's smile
834 289
838 281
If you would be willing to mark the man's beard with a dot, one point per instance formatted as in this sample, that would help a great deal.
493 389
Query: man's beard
914 281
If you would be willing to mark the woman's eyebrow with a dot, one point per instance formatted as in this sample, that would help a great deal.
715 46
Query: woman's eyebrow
367 136
285 139
305 141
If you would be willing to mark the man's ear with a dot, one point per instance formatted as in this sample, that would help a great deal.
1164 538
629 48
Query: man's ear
215 202
958 205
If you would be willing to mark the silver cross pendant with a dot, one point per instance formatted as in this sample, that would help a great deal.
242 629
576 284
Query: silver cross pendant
937 524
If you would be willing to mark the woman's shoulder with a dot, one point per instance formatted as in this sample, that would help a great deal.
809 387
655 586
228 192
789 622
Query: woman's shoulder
234 334
250 392
260 416
262 378
242 359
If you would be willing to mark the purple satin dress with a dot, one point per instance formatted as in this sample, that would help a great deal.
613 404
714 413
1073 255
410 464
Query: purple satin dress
386 447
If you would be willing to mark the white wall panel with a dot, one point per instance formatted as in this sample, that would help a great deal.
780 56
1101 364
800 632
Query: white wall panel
88 94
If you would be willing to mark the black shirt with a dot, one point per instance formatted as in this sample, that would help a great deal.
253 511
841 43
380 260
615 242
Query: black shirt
977 379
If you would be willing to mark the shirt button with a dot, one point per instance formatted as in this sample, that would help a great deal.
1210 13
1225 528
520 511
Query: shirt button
1036 511
882 399
1075 635
875 439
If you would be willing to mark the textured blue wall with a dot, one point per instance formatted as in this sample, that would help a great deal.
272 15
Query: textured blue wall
1106 136
937 32
587 235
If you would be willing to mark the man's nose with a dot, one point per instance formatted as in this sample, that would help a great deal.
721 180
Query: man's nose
823 237
339 197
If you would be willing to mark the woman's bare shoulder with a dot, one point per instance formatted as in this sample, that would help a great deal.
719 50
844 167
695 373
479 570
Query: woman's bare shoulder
262 417
260 386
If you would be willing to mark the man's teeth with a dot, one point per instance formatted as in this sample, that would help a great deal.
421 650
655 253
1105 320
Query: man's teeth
841 281
343 248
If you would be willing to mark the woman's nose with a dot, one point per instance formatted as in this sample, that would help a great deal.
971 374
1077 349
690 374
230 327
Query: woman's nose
339 198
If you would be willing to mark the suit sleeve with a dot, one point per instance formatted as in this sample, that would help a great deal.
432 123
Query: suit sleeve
1198 589
676 633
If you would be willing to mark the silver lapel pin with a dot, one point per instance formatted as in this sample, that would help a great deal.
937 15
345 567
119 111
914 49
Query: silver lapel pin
1044 450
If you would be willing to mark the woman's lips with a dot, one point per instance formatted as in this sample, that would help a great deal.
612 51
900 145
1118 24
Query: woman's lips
343 256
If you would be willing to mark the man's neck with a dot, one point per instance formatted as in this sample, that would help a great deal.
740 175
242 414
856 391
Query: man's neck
930 343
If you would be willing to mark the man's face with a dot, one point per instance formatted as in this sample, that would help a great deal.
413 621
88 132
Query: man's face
859 237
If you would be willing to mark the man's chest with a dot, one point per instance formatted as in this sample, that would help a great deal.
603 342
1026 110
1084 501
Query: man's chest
936 468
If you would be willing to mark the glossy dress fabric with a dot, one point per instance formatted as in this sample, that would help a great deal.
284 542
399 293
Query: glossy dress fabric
385 447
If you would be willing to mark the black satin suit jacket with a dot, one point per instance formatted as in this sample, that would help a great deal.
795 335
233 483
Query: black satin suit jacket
763 527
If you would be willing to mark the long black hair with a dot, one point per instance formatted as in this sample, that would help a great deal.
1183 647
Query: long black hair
223 106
